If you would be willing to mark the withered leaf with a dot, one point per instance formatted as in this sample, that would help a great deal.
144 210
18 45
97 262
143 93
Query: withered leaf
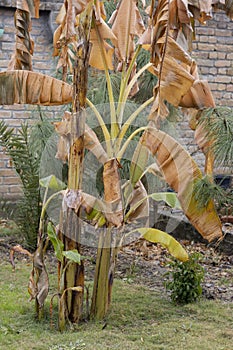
181 172
16 88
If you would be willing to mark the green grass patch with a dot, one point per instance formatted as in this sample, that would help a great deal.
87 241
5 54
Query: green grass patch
139 319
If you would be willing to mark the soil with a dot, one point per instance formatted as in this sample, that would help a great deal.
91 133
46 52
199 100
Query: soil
146 264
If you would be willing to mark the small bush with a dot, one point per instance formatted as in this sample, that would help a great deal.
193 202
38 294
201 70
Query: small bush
185 280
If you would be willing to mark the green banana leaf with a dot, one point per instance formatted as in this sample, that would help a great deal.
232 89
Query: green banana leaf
167 241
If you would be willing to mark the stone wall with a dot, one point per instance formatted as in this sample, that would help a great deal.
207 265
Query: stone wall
212 51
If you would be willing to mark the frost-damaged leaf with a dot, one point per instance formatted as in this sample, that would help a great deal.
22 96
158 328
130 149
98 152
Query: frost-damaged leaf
167 241
63 128
32 289
170 60
126 24
99 212
199 96
112 191
91 141
80 5
181 172
178 81
39 282
99 48
63 312
21 58
99 33
160 29
25 87
201 10
65 36
42 287
93 207
138 194
31 6
67 17
18 249
174 82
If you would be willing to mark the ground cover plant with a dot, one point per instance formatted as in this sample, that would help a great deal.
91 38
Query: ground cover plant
168 35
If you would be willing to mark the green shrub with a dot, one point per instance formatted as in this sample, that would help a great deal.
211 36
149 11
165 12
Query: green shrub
185 280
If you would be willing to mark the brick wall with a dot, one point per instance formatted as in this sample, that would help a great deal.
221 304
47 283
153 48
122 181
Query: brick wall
212 51
42 34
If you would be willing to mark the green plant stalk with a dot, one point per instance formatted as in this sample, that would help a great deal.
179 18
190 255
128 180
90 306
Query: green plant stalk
127 76
127 142
134 79
45 207
106 133
129 122
106 254
102 284
125 79
114 123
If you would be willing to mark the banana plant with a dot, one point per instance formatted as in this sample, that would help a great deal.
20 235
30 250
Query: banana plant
65 258
39 281
122 204
168 36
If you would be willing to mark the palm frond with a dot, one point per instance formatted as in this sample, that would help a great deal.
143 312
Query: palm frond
147 81
98 91
218 125
25 149
110 6
205 191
